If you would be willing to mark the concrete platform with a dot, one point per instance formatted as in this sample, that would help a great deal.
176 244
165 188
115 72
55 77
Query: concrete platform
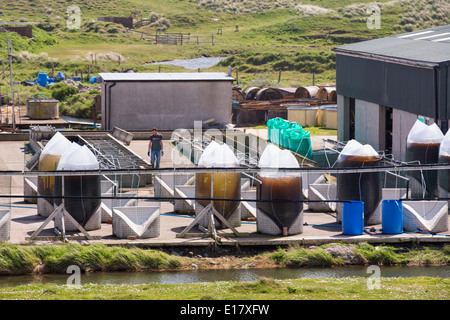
319 227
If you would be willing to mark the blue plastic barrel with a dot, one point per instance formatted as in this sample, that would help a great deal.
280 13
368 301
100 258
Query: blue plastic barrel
353 218
392 216
93 80
42 79
61 75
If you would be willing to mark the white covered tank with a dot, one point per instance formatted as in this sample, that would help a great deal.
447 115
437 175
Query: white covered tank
283 188
365 187
83 191
422 145
48 161
226 185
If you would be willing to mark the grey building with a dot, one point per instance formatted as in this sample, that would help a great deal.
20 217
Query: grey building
140 101
384 85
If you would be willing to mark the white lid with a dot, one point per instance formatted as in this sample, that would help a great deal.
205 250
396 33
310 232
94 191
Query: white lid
218 155
57 145
271 151
78 158
354 148
422 133
72 147
275 158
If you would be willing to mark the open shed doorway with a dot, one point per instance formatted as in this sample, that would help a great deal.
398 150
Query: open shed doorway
388 130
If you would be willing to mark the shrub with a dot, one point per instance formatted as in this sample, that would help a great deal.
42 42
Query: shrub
301 257
81 110
99 257
158 21
447 250
381 255
14 259
61 91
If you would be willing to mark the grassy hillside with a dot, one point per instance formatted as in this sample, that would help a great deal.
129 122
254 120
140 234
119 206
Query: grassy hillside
259 37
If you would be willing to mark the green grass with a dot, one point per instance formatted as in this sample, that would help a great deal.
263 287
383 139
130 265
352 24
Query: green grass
314 131
28 259
55 259
321 131
16 259
354 288
362 253
303 257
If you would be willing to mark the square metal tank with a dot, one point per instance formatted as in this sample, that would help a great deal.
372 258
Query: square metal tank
42 109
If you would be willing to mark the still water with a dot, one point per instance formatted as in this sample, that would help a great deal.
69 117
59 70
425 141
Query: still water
191 64
179 277
67 118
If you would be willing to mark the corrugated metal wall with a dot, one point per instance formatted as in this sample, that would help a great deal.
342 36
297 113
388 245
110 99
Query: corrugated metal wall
447 92
399 86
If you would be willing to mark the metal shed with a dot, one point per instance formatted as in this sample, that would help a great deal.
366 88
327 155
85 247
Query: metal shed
384 85
139 101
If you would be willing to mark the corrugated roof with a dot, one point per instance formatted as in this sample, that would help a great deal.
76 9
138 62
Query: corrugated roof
161 76
427 46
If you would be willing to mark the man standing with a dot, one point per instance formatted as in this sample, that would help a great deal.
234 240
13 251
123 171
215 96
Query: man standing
155 148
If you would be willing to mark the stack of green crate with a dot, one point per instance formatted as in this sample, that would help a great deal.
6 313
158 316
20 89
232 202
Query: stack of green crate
290 135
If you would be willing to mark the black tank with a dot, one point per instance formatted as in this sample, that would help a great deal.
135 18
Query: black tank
444 177
364 187
87 186
426 153
282 213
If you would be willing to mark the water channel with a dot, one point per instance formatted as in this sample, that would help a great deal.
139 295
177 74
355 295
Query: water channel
180 277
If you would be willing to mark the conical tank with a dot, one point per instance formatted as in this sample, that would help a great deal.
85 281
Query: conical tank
82 192
360 186
225 185
58 179
280 192
422 146
48 161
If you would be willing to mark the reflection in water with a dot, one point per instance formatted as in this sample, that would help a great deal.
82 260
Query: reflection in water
177 277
